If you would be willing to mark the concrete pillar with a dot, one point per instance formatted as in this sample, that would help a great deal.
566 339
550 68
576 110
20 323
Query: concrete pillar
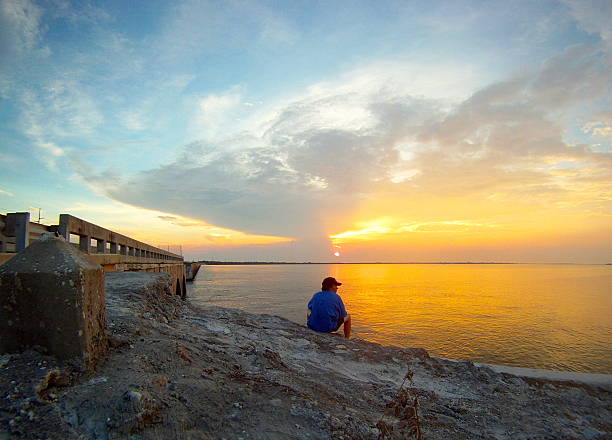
18 226
113 248
52 295
64 226
84 243
131 251
123 249
101 246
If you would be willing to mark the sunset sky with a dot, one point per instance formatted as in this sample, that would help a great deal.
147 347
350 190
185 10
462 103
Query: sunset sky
295 130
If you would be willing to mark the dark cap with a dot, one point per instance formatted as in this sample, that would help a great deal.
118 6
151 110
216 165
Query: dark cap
329 282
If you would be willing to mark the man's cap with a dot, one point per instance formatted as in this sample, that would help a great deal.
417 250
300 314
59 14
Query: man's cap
329 282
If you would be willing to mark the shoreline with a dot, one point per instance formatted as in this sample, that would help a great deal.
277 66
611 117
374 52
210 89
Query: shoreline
597 379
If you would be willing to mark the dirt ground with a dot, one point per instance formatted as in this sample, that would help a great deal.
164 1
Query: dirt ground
176 371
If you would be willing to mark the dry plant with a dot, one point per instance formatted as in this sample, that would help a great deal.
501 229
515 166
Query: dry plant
400 421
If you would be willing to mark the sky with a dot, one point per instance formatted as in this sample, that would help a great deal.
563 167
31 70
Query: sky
353 131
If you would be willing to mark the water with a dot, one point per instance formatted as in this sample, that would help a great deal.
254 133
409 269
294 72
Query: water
555 317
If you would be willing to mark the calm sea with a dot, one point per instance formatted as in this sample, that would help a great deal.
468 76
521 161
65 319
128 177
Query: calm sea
555 317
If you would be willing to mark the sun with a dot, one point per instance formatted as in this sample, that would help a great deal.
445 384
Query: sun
337 254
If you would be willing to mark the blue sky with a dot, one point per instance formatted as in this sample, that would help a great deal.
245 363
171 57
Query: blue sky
252 129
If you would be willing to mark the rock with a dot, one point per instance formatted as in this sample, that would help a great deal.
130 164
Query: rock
133 396
4 360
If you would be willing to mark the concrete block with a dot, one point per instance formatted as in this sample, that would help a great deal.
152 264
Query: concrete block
52 295
18 226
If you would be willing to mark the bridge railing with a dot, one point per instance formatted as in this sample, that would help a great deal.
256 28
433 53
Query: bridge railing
109 242
16 232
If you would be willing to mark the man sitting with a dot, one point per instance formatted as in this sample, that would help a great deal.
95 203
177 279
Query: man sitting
326 311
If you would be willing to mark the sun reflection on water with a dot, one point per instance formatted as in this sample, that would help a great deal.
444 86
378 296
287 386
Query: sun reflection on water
539 316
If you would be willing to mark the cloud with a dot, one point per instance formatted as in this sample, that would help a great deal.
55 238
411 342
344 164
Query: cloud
600 126
179 221
78 12
593 16
60 111
6 193
214 111
199 27
337 148
385 227
20 31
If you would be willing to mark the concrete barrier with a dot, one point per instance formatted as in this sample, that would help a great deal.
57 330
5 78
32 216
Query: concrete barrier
52 295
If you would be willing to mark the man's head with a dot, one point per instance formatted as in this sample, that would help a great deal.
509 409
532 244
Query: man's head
330 283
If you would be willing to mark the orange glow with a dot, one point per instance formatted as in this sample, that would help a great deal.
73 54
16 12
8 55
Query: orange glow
481 227
161 229
431 305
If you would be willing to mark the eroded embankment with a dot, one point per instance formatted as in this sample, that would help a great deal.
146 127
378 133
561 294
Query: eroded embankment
178 371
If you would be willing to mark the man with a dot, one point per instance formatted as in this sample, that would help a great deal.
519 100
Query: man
326 311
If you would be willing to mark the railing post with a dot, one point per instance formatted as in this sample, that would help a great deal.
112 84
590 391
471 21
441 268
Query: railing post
84 243
64 226
18 226
22 229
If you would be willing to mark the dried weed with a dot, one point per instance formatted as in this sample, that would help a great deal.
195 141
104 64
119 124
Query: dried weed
400 420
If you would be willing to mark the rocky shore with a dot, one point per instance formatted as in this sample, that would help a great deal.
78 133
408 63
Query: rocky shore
176 371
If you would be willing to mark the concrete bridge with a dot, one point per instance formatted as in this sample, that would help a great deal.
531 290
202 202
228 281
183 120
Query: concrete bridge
113 251
52 288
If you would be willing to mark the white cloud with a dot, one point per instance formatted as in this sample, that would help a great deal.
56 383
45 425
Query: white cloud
61 110
215 111
275 30
78 12
593 16
134 121
19 28
600 125
199 27
6 193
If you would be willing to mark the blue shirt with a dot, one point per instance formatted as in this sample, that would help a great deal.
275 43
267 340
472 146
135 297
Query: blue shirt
326 310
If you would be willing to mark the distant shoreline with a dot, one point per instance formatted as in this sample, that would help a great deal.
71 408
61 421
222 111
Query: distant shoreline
259 263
